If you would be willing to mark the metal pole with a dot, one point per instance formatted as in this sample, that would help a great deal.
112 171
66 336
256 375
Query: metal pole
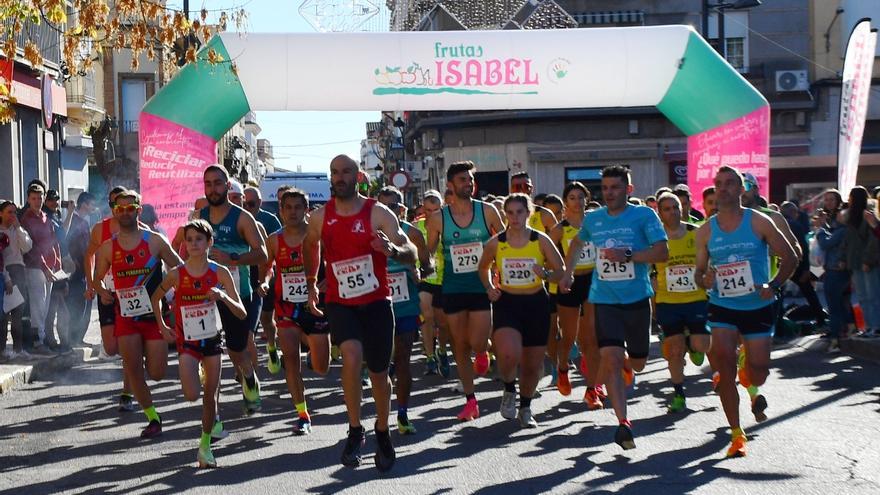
186 8
722 46
705 14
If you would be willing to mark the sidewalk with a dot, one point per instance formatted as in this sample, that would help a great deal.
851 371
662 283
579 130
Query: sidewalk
18 372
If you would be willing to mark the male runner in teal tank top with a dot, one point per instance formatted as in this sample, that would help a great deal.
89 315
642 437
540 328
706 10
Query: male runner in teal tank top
237 245
464 226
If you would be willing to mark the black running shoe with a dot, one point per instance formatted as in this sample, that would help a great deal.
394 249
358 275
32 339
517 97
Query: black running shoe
759 405
351 455
624 437
153 430
385 455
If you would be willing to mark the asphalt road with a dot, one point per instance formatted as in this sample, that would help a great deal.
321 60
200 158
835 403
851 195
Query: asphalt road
64 435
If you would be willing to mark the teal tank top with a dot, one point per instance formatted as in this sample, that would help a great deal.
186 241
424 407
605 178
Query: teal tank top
404 290
462 250
227 239
741 261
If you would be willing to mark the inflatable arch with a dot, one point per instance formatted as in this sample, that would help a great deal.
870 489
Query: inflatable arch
670 67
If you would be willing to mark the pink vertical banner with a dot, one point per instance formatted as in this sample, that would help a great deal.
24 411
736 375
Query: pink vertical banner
743 144
173 159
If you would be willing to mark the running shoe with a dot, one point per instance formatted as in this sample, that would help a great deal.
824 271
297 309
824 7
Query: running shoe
385 455
737 447
443 364
591 397
153 430
526 420
273 364
365 377
624 437
126 403
351 455
492 365
218 432
431 366
677 404
759 405
405 426
697 357
744 378
250 388
481 364
508 405
252 407
601 392
335 353
834 346
716 379
629 376
302 427
206 458
563 384
470 412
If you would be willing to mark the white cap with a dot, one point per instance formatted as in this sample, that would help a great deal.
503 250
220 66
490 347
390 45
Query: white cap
235 186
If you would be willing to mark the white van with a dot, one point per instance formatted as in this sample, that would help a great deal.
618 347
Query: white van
316 185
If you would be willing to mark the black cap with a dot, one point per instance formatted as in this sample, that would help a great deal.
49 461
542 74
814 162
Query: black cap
52 195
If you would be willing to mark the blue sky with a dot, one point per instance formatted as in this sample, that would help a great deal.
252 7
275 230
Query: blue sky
293 134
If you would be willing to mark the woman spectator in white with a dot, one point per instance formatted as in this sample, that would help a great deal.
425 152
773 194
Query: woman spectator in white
19 243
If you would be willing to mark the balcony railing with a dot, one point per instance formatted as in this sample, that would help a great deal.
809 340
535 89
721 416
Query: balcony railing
81 90
47 39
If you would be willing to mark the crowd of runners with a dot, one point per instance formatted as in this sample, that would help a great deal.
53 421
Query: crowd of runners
506 285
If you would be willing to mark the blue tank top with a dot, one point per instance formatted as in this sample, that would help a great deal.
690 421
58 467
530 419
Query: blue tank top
741 260
462 250
228 240
404 290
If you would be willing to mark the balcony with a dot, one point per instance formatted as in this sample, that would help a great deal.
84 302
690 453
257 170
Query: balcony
82 101
47 39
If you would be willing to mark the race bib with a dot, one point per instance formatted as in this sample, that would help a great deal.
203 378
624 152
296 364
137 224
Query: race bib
199 321
399 287
734 279
587 258
134 302
615 271
294 287
355 276
680 278
517 272
466 257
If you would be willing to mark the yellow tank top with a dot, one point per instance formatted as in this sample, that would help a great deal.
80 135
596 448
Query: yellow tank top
515 264
435 278
675 277
535 222
587 259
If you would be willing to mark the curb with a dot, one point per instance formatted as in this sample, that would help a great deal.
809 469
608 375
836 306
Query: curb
14 376
862 348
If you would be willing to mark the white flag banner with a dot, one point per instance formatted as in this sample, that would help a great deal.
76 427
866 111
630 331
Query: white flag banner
857 67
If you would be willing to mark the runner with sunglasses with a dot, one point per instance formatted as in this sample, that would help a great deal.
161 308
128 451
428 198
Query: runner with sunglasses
134 258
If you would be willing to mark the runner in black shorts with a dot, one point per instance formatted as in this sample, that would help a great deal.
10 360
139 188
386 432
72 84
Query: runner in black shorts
358 236
520 254
294 321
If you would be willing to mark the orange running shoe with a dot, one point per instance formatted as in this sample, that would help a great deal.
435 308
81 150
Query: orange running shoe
470 412
563 384
716 379
737 447
591 397
481 364
601 392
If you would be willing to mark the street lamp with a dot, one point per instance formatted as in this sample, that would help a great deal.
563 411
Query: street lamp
719 8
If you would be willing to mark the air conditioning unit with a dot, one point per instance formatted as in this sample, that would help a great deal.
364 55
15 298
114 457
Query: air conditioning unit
791 80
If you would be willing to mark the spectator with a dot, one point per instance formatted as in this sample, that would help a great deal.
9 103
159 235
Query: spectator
41 263
19 243
709 201
79 308
830 237
802 276
57 298
151 219
683 192
863 258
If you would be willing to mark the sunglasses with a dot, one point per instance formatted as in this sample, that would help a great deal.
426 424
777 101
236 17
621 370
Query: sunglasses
748 186
126 208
